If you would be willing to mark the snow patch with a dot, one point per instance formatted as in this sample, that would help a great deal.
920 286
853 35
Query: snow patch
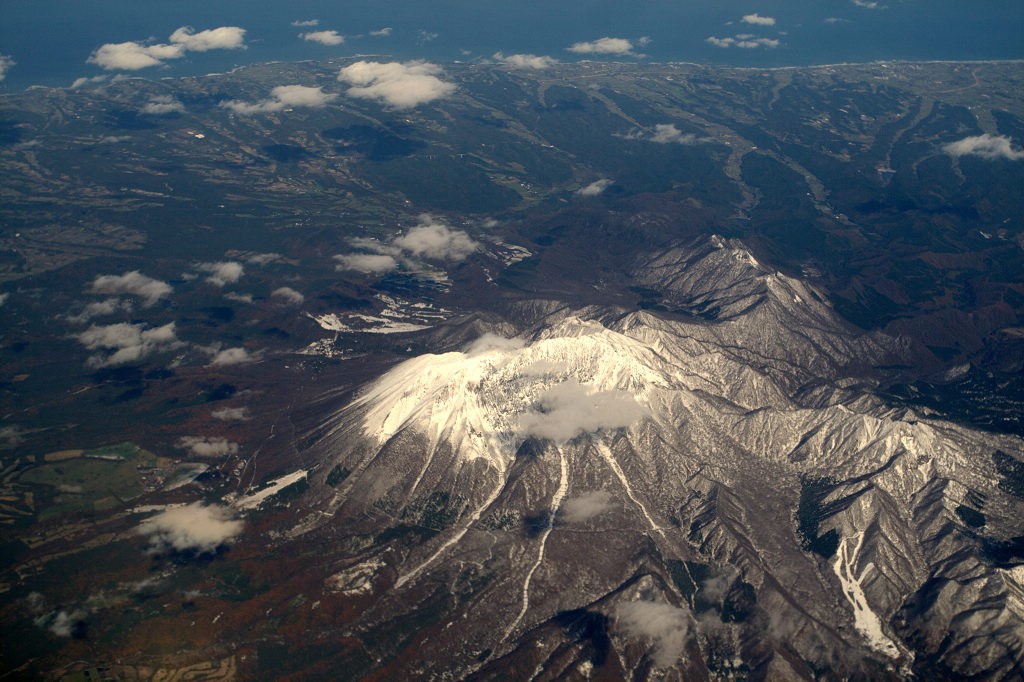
866 621
277 485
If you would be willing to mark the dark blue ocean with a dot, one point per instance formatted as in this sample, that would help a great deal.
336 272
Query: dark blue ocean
50 40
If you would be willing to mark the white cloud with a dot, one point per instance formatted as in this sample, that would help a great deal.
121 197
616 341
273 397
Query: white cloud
163 104
64 623
288 295
232 356
586 506
263 258
99 309
193 527
570 408
399 85
224 272
667 133
323 37
423 36
986 146
381 32
132 56
4 297
82 82
836 20
525 61
132 283
299 23
743 41
208 447
595 188
867 4
6 62
758 20
282 97
492 342
435 240
366 262
603 46
665 625
240 298
227 414
223 38
129 342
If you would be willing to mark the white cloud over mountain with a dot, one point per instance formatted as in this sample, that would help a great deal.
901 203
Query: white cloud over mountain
132 283
986 146
194 527
283 97
121 343
400 85
525 61
160 105
221 273
568 409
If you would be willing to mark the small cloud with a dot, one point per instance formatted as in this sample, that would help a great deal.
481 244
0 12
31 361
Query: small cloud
305 23
399 85
836 20
868 4
82 82
666 626
4 297
381 32
986 146
366 262
66 624
232 356
758 20
263 258
288 295
114 139
743 41
194 527
6 62
587 506
132 56
123 342
223 38
240 298
525 61
568 409
224 272
228 414
282 97
323 37
606 45
490 342
595 188
163 104
667 133
132 284
435 240
208 447
423 36
99 309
